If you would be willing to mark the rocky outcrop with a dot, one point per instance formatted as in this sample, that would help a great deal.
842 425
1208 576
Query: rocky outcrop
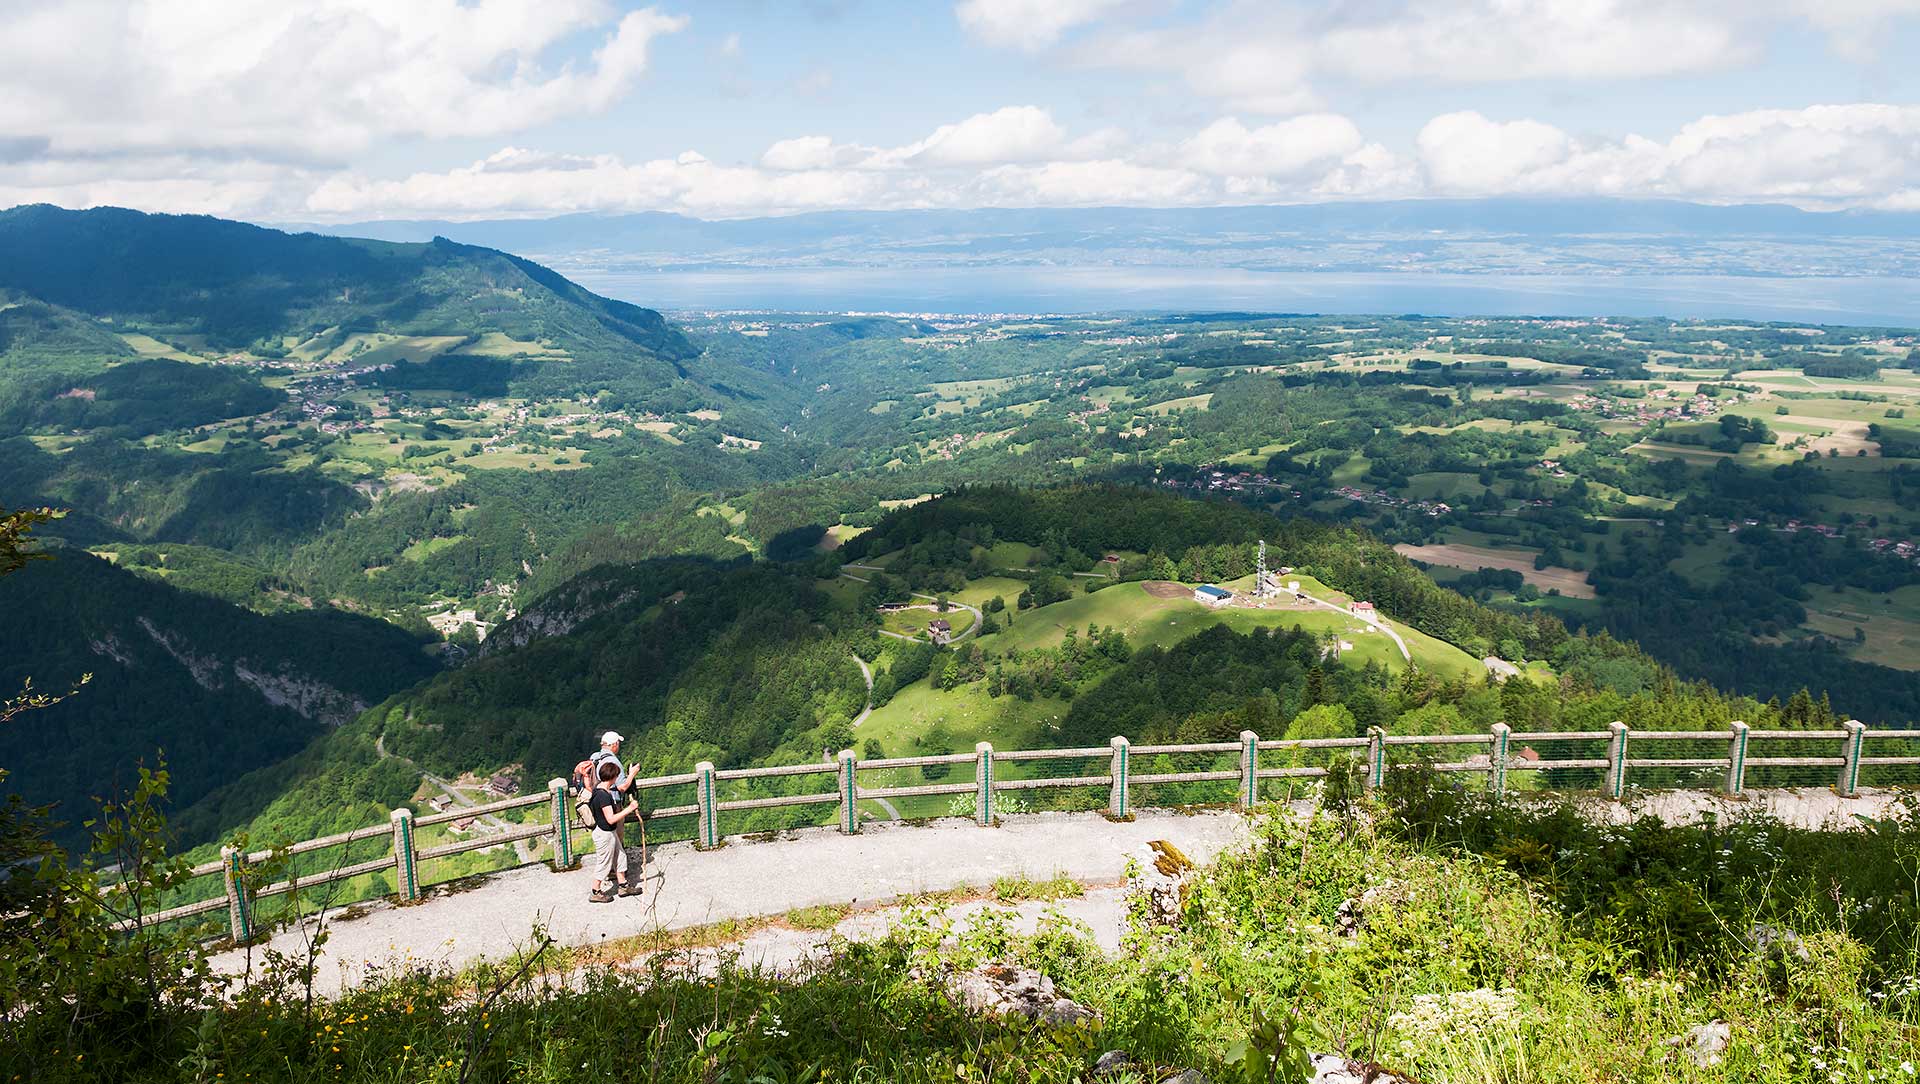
311 698
559 612
283 687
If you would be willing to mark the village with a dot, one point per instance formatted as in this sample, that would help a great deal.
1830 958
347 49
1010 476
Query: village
1659 405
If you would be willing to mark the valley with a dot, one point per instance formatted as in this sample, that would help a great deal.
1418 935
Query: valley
513 476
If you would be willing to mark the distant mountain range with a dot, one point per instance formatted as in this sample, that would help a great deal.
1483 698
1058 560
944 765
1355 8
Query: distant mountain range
1500 235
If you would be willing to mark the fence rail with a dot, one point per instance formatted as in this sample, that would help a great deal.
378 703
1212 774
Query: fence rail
1170 781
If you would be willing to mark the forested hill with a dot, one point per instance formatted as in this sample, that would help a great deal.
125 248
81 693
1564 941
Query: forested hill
239 282
228 286
218 689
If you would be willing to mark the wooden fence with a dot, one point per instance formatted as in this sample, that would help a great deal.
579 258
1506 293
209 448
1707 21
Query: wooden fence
1000 773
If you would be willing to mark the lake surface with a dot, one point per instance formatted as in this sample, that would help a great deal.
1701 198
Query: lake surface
1882 301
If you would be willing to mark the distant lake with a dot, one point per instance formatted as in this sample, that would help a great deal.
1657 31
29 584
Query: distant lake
1884 300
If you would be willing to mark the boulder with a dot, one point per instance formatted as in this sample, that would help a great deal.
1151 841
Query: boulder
1000 990
1188 1076
1161 880
1111 1062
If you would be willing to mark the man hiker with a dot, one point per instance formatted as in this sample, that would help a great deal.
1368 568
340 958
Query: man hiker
609 753
609 849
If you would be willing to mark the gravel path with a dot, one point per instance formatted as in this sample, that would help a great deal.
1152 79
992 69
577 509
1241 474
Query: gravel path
491 916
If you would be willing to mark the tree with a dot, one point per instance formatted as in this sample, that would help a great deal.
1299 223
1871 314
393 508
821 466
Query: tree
1320 721
16 528
1161 567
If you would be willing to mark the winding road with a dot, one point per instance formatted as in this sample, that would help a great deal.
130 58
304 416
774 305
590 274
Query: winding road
523 848
866 672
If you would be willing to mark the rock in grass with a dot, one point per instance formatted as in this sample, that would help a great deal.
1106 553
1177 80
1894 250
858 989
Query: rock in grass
1188 1076
1705 1044
1161 881
1015 991
1111 1062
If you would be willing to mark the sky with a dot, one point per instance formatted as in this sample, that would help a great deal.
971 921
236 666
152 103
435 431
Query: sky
348 110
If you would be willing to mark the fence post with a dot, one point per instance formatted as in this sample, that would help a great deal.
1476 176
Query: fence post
1617 760
1249 770
983 784
1497 760
406 862
1376 757
239 914
1850 771
1737 761
849 793
1117 797
707 832
562 826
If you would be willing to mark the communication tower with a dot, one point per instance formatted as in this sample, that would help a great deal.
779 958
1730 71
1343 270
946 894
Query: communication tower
1266 583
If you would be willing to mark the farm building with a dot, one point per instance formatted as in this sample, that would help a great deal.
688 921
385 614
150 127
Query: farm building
1364 609
1208 594
939 630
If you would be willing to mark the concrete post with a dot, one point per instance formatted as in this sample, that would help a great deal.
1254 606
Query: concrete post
239 913
983 784
1850 771
1617 760
1737 761
1249 770
849 793
1117 796
1497 760
707 832
562 826
406 861
1376 757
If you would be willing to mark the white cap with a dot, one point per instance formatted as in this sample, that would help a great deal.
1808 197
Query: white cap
610 737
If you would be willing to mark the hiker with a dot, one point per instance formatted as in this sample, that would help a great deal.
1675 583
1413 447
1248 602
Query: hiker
608 753
609 848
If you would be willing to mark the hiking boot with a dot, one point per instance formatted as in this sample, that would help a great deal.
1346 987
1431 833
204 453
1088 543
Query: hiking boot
630 890
600 895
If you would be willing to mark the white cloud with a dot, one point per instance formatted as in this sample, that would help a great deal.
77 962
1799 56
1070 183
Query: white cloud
307 80
1277 58
1481 41
1027 24
1288 148
815 152
1013 157
1821 156
1018 133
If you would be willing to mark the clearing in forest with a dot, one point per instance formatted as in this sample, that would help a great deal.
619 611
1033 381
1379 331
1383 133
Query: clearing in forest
1571 582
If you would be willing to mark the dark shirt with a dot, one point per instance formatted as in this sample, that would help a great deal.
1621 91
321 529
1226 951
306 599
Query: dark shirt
602 805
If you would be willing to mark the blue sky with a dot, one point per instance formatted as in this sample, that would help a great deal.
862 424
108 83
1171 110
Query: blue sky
315 110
